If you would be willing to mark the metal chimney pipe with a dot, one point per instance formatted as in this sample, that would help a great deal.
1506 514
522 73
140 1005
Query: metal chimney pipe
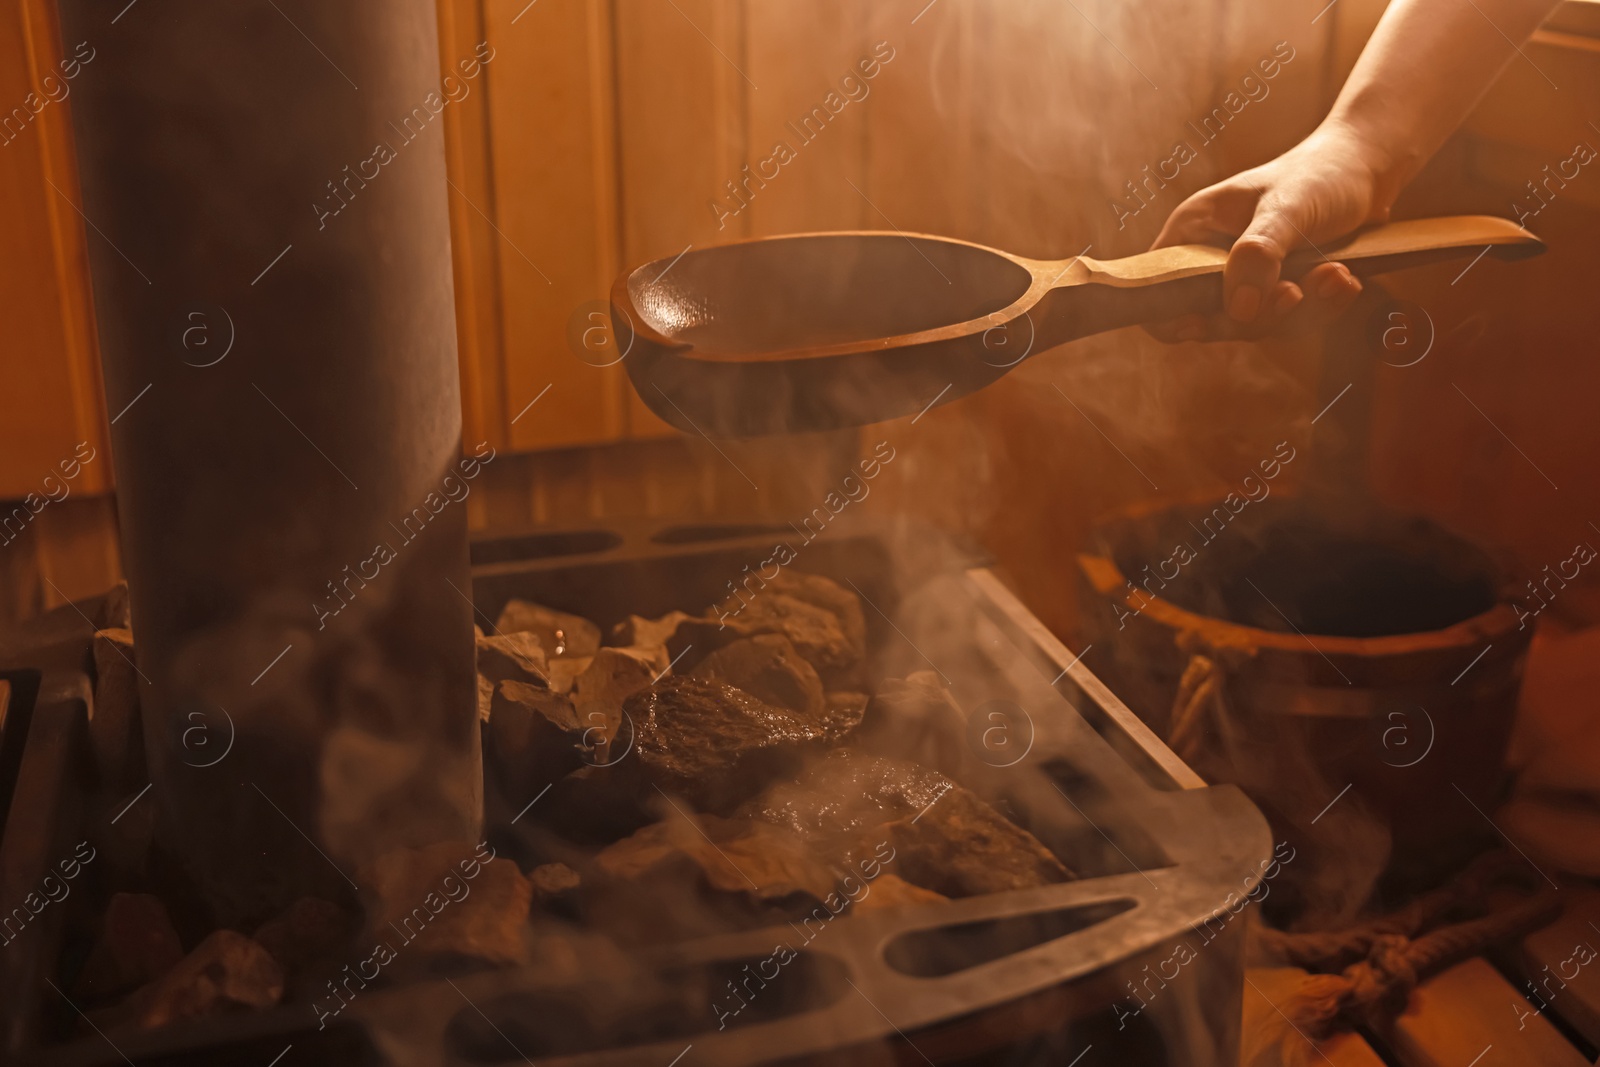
264 183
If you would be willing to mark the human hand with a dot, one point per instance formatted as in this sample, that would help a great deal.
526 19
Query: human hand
1322 188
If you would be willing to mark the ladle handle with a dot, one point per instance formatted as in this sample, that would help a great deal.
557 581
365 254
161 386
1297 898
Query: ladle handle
1186 279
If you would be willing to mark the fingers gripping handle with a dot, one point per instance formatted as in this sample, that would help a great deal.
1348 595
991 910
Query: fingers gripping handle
1164 283
1394 246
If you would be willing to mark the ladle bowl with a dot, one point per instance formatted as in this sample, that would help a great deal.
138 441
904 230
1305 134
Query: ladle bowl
826 330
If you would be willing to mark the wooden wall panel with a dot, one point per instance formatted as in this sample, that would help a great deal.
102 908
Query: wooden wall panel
804 57
1493 432
1558 82
1353 22
1071 104
50 393
677 478
552 168
683 81
920 161
604 129
479 337
1297 97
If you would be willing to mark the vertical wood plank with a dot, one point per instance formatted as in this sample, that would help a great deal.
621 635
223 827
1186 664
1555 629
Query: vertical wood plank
804 57
683 81
1296 97
50 391
1353 23
920 156
554 211
472 237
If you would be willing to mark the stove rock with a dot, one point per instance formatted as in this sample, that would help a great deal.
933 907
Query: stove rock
767 667
717 746
941 836
560 633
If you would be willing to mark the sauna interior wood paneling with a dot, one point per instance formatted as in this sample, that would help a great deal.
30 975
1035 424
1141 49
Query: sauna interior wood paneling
607 132
1494 430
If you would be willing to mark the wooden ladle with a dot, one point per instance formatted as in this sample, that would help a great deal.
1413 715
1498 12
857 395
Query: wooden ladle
824 330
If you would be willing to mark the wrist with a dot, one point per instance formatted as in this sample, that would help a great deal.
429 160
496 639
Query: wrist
1363 146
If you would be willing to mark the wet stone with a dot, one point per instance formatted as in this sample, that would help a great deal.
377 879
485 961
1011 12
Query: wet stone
716 745
766 666
560 633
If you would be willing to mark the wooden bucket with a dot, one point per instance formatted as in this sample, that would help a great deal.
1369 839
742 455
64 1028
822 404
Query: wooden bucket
1354 670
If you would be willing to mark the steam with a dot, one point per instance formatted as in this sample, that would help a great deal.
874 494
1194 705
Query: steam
1043 114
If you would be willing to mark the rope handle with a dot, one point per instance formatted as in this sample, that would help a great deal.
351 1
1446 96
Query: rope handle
1380 962
1197 708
